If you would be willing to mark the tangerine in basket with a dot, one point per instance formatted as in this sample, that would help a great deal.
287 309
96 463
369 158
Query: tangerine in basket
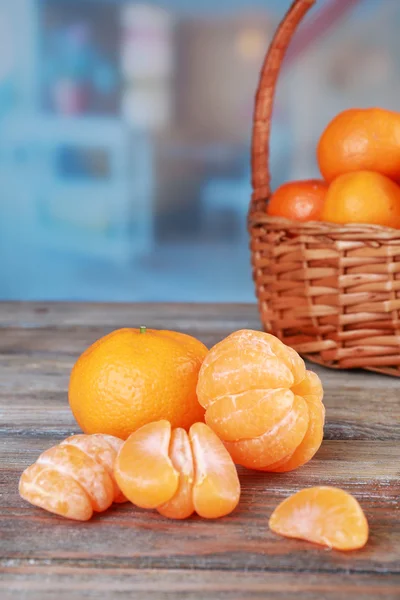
262 402
298 200
361 139
178 473
363 197
74 478
135 376
324 515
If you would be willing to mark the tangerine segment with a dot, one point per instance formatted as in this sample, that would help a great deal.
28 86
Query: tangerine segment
311 441
292 359
70 461
103 449
56 492
216 489
275 444
116 443
143 468
249 414
247 360
310 386
181 505
325 515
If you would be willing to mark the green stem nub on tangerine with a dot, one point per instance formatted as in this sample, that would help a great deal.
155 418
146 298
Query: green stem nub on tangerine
142 329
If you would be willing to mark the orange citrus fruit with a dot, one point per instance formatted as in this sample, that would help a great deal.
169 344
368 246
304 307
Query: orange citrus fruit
74 478
262 402
135 376
324 515
298 200
361 139
363 197
178 473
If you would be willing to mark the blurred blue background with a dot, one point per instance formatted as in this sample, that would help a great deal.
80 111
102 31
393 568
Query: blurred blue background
125 128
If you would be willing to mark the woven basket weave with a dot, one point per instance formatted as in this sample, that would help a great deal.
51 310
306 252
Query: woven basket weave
330 291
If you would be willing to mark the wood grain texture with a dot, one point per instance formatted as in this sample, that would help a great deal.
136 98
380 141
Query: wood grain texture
128 552
63 583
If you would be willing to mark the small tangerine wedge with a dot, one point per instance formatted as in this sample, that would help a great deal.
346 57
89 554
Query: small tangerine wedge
276 443
324 515
180 506
144 469
216 488
55 492
311 390
310 385
75 478
104 449
178 473
311 441
252 412
262 402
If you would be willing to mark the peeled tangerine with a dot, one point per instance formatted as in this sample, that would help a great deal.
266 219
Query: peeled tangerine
75 478
261 401
178 473
324 515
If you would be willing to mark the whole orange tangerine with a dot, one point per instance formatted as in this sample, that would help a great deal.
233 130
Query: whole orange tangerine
363 197
298 200
132 377
361 139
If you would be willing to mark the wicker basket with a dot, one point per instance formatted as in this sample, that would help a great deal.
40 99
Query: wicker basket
330 291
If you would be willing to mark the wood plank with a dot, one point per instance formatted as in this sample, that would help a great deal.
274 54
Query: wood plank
45 583
159 316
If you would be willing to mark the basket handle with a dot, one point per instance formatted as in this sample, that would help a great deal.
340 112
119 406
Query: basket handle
260 167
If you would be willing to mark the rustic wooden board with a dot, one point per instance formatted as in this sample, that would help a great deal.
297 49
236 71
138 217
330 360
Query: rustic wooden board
128 552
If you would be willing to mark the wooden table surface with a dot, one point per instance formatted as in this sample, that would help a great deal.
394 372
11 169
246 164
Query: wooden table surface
132 553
